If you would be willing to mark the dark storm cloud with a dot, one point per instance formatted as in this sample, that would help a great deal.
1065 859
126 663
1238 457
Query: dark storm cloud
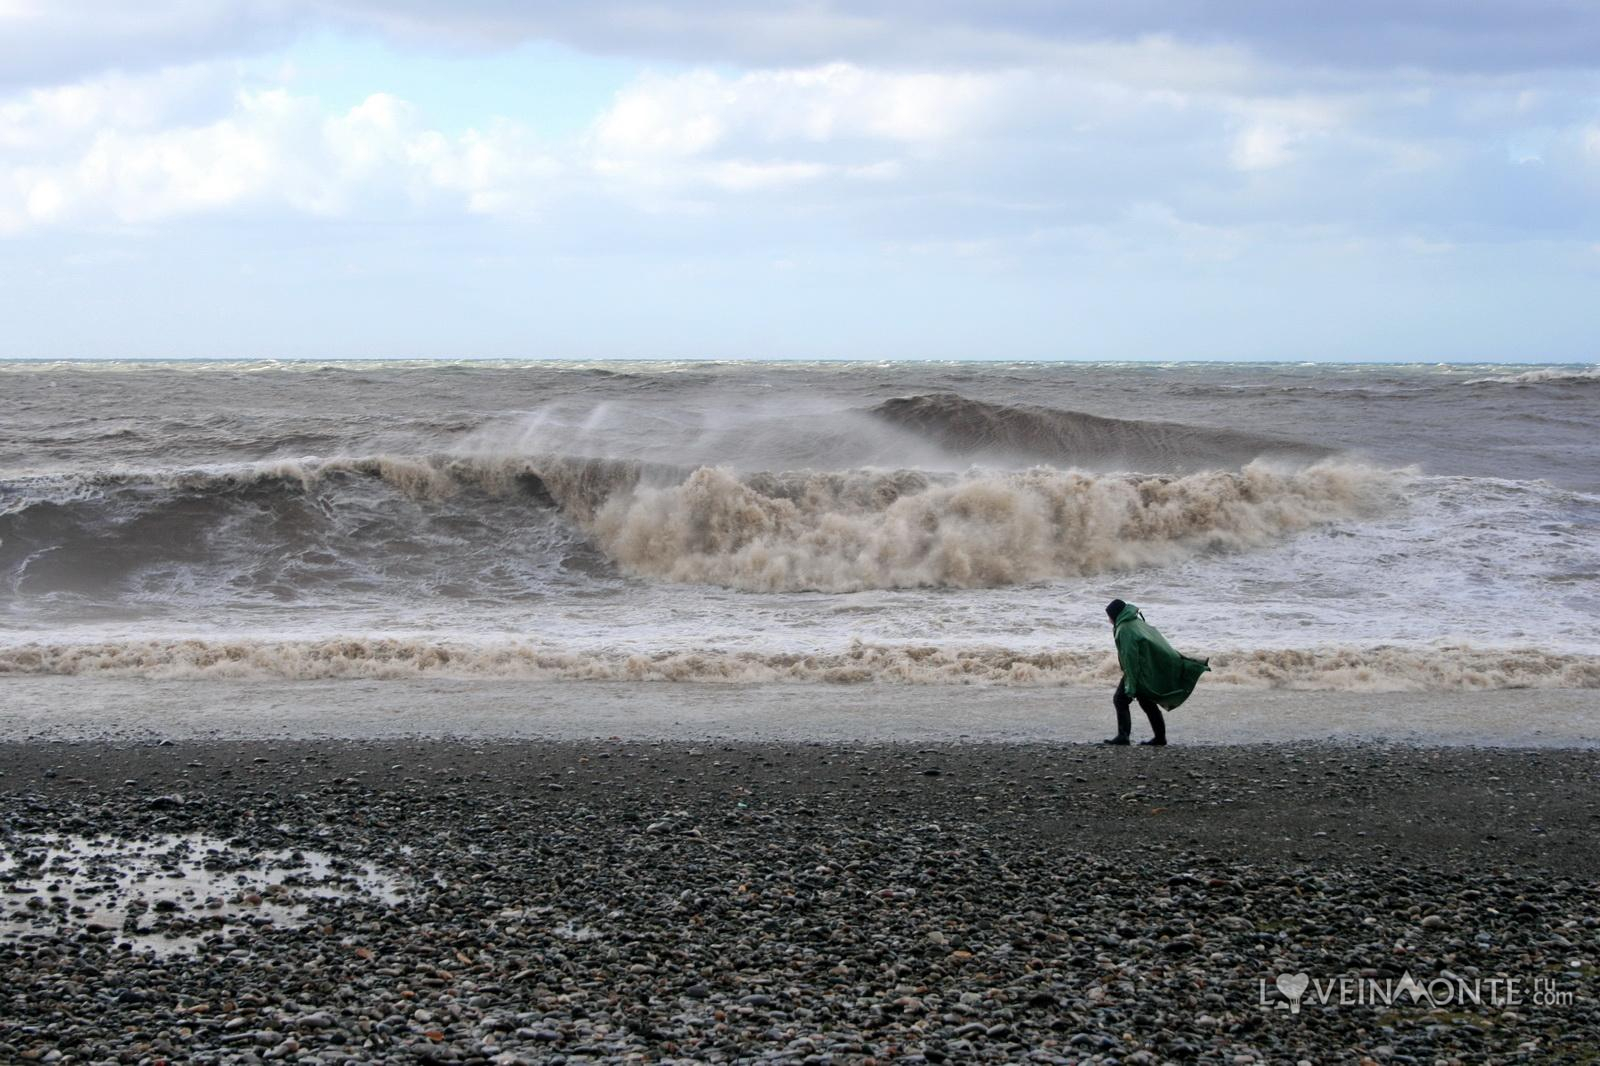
55 42
1453 35
65 40
1484 36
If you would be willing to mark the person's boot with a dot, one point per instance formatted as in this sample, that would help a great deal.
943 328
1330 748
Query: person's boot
1153 742
1123 741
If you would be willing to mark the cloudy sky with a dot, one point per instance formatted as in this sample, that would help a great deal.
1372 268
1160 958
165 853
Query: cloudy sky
1100 179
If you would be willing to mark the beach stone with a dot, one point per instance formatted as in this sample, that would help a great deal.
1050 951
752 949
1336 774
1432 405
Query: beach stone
812 922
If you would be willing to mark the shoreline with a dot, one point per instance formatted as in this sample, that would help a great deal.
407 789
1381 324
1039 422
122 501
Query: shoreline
80 708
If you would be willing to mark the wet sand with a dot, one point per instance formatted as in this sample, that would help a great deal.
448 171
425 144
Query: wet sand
83 707
692 900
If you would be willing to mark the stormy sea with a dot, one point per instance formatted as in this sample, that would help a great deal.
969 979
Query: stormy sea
1305 526
534 713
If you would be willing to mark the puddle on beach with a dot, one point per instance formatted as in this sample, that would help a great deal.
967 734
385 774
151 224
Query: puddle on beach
170 892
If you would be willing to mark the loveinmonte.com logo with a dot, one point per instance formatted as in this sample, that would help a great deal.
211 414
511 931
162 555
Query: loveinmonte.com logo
1446 990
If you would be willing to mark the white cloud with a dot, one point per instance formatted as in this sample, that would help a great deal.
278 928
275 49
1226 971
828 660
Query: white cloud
702 131
500 170
119 149
271 149
693 113
41 120
975 156
1274 128
740 176
1262 147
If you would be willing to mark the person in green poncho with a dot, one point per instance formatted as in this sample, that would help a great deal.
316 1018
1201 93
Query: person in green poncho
1152 672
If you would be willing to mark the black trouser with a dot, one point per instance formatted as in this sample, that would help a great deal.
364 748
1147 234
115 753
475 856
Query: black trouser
1122 701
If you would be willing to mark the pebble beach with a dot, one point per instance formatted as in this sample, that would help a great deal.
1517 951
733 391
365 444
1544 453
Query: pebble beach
627 900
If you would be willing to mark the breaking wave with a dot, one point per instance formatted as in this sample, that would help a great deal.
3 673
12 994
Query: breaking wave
868 530
1046 434
490 526
1543 376
1377 669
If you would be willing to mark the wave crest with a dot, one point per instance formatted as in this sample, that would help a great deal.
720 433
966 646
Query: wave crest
289 524
1543 376
1046 434
842 533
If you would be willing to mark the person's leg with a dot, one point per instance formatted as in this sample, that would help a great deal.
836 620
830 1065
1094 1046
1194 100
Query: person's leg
1158 725
1122 703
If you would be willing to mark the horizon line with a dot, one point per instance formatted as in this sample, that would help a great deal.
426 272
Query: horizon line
791 361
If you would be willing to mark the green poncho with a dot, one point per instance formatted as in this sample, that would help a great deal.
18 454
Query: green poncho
1150 666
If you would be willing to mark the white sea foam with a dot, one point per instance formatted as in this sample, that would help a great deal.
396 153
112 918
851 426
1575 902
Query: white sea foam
1543 376
1375 669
